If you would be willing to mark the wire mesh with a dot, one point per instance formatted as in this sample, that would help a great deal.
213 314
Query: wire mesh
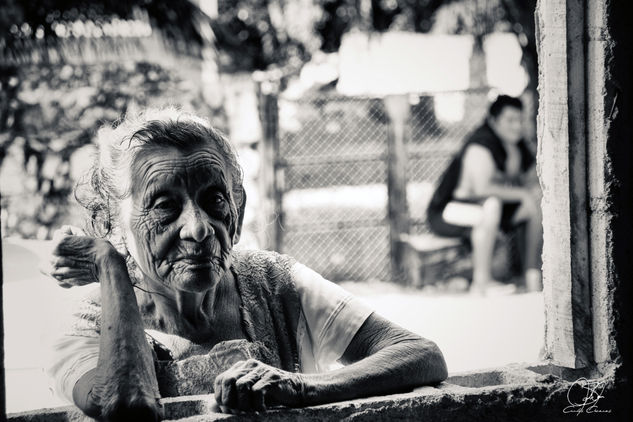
333 151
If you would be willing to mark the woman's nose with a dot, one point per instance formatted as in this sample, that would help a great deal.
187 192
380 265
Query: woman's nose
196 227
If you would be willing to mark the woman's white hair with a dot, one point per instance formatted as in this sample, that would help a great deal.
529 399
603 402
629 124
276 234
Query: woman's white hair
109 180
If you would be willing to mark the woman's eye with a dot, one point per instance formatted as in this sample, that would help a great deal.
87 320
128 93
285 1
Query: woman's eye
214 198
214 204
165 204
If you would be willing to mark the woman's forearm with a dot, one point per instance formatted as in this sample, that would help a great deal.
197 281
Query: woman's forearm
396 368
125 382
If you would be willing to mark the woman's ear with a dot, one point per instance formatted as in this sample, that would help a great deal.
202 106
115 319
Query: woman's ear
240 217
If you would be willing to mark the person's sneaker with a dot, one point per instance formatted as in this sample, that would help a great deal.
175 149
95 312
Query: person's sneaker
495 288
492 288
533 280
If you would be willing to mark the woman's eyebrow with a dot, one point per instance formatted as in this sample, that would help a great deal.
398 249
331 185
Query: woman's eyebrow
159 185
210 178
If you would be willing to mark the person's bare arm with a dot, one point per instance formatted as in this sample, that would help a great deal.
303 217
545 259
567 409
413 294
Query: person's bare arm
479 167
530 178
124 385
383 359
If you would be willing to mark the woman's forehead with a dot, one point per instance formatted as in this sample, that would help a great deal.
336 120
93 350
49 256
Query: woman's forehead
170 165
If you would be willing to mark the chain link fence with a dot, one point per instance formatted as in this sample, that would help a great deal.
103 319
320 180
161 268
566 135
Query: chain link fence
333 153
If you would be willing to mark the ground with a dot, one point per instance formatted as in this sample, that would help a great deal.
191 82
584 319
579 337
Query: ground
472 332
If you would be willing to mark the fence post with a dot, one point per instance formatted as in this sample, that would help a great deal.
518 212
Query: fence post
270 180
398 109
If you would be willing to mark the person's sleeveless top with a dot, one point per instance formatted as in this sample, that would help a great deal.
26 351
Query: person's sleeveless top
485 137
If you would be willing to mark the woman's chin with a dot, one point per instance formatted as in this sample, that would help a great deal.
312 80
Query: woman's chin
197 279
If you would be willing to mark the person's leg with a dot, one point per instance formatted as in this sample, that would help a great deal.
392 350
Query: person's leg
483 236
529 213
480 222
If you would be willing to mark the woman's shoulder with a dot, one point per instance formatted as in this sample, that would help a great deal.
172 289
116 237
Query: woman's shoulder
259 259
256 269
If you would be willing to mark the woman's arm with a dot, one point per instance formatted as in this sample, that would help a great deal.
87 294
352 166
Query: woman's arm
125 379
123 386
383 359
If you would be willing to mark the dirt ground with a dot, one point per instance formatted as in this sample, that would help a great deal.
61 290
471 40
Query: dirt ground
472 332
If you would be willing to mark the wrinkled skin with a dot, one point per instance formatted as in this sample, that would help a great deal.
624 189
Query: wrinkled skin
254 386
126 388
74 258
179 223
180 219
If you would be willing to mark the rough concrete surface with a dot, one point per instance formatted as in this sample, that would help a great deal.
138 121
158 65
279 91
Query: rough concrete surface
512 393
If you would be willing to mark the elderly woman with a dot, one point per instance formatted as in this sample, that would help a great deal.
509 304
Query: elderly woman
166 203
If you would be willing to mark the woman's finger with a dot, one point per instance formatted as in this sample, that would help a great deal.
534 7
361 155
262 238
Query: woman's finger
260 391
258 399
278 388
65 273
68 261
245 398
65 285
86 267
69 279
228 396
219 382
75 231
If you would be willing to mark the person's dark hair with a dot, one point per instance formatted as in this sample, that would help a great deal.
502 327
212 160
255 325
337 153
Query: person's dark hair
108 181
502 102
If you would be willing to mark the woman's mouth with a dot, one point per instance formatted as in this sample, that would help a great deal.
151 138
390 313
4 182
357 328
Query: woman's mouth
196 261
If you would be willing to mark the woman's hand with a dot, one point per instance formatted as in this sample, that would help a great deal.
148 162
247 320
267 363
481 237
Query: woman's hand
76 257
254 386
123 386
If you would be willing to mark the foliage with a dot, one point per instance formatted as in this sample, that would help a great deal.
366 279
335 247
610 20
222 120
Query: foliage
404 15
48 113
49 21
257 34
249 34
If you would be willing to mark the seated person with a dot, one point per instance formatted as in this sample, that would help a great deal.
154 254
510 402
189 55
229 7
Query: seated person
491 184
166 202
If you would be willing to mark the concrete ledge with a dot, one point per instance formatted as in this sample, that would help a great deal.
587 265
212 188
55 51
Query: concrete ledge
515 393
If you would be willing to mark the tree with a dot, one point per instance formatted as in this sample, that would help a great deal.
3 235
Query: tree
256 34
39 26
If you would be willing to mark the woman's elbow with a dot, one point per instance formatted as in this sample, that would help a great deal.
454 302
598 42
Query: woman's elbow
440 364
432 363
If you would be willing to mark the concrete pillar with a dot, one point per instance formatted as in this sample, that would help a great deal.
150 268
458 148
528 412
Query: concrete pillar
584 163
562 167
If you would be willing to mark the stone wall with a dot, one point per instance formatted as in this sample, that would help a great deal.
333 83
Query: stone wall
514 393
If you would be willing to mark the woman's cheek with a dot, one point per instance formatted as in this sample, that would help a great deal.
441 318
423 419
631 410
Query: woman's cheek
225 242
153 240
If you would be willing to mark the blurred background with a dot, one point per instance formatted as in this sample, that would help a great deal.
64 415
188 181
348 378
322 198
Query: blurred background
336 176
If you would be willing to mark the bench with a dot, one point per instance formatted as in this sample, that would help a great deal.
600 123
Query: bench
429 258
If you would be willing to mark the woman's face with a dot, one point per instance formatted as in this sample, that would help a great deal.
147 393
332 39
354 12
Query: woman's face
178 219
